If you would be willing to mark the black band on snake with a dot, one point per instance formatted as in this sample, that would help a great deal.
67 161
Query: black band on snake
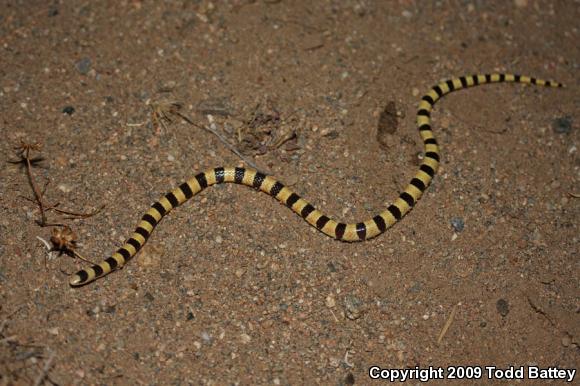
358 231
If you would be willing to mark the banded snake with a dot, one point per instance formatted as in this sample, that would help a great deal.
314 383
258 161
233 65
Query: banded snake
359 231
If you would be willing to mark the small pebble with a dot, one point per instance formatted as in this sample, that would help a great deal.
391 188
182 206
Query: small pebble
68 110
65 188
331 267
52 11
458 224
566 341
206 337
502 307
354 307
562 125
349 379
245 338
110 309
83 66
330 301
167 86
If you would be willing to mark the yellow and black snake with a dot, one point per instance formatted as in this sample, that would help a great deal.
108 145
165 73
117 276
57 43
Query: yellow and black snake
341 231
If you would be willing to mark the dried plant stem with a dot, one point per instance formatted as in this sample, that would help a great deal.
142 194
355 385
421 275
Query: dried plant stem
447 324
226 143
37 194
76 254
47 365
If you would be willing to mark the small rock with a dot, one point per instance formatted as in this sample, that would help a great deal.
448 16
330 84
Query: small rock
562 125
245 338
330 302
219 239
68 110
215 106
566 341
458 224
110 309
502 307
65 188
53 331
206 337
349 379
52 11
331 267
521 3
240 272
444 123
83 66
354 307
167 86
329 133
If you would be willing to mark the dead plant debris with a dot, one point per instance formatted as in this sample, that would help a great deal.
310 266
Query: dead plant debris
25 158
64 240
163 113
264 132
22 362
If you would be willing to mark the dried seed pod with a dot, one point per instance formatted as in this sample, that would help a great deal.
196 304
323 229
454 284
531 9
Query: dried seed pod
63 239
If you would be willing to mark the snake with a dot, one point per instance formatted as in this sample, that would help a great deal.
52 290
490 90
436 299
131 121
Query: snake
348 232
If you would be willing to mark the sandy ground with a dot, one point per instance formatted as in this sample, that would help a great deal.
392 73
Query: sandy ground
233 288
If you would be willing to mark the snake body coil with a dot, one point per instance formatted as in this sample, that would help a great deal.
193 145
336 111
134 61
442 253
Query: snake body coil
341 231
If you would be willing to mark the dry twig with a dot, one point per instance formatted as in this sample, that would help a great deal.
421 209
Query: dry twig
44 373
447 324
162 112
23 151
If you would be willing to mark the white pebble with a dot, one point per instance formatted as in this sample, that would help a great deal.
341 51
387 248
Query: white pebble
64 188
